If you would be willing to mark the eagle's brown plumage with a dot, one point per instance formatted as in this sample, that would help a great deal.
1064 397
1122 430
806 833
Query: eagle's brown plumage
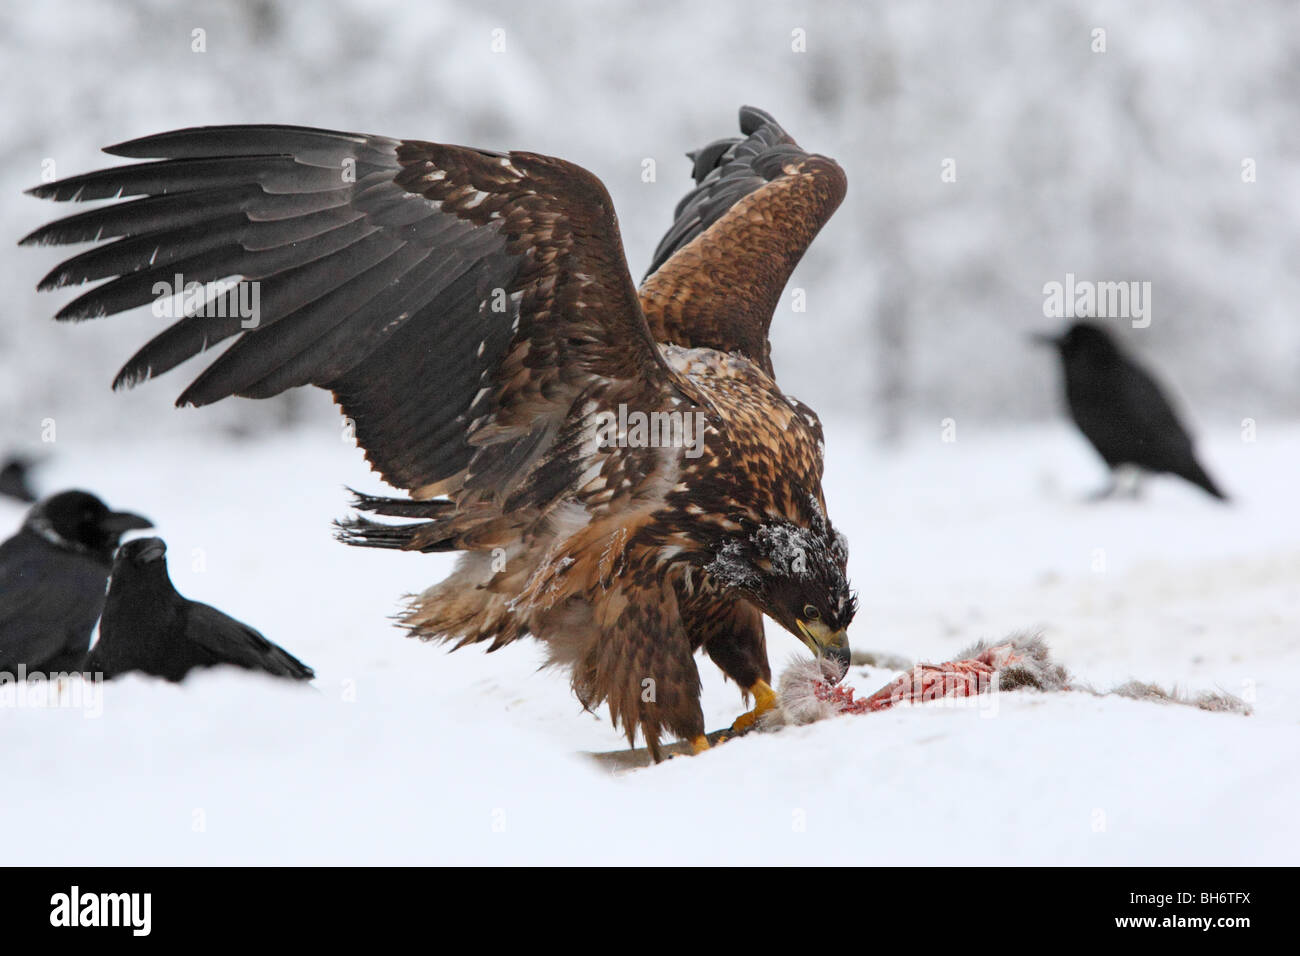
717 276
473 315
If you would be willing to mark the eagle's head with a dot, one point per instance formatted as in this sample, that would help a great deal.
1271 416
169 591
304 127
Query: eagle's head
795 574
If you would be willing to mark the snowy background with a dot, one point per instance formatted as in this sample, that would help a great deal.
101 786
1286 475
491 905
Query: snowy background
1122 165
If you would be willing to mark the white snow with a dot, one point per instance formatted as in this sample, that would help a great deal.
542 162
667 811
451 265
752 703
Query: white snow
403 753
1127 165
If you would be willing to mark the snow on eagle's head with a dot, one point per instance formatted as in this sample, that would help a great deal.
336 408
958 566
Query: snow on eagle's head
797 575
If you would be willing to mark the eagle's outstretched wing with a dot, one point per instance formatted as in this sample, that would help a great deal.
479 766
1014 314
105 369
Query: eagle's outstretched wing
456 301
473 314
717 275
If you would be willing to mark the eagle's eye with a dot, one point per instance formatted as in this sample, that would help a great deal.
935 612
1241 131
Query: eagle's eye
810 613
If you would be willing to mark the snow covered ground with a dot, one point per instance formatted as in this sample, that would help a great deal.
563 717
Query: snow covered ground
403 753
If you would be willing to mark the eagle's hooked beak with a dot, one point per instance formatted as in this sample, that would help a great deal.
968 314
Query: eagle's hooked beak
824 642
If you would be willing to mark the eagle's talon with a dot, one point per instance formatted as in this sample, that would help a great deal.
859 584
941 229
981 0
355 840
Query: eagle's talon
764 700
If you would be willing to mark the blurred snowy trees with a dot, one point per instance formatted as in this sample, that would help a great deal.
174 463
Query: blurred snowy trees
990 147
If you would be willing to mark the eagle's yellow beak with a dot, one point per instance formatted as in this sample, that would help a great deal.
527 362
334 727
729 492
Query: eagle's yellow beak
824 642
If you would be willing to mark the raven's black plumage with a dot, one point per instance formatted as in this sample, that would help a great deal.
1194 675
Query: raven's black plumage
14 480
1122 410
149 627
52 578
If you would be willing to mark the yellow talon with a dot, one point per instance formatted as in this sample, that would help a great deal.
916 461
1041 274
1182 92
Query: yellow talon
699 744
764 700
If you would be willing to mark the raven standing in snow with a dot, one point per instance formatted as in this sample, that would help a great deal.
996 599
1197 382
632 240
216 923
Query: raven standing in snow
52 578
1122 410
149 627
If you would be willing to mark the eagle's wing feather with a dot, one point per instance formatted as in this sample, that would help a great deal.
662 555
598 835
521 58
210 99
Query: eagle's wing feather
718 273
454 300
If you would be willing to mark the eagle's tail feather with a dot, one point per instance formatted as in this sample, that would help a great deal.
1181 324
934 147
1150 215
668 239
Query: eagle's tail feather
461 609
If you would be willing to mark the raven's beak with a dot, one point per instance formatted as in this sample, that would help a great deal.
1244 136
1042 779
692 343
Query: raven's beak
1043 338
824 642
122 521
152 550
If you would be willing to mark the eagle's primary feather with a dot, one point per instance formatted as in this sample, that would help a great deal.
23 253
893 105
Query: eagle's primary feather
474 317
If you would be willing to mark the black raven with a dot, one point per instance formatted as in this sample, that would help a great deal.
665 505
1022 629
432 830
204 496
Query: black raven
149 627
52 578
1122 410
